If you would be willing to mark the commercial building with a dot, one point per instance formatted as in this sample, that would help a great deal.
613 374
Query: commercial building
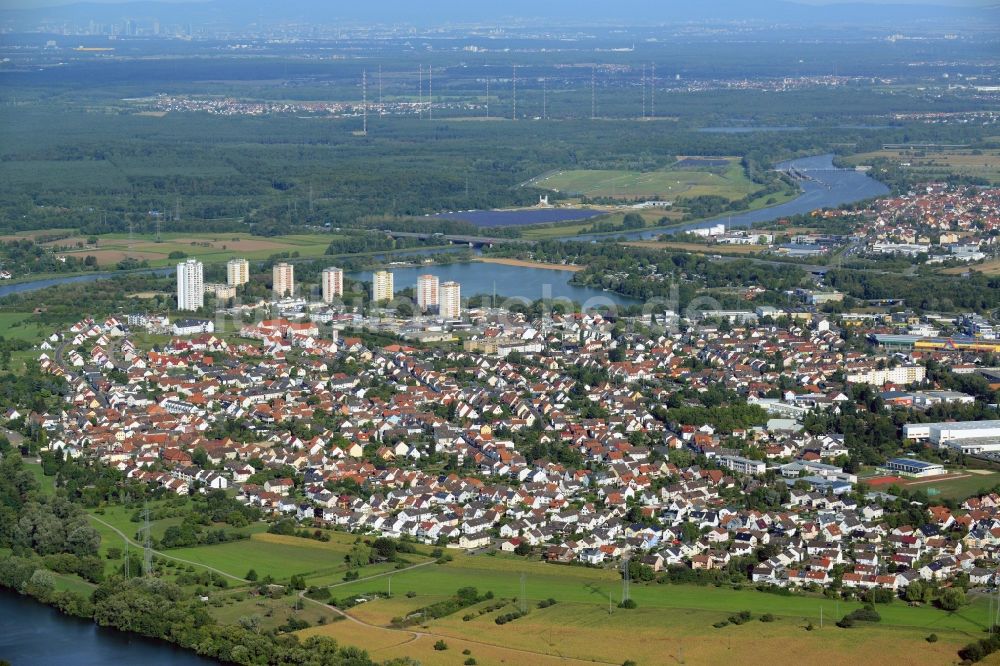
958 343
190 285
428 293
283 280
910 467
332 283
382 287
451 300
237 272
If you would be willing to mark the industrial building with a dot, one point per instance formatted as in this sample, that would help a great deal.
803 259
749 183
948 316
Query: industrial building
964 436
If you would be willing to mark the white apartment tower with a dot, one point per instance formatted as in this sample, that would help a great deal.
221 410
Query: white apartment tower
428 293
451 300
382 289
283 279
332 280
237 272
190 285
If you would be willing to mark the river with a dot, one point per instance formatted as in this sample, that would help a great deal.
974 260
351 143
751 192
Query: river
826 187
507 281
33 634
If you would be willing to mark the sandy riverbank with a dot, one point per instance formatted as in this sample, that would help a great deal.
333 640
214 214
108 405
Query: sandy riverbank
530 264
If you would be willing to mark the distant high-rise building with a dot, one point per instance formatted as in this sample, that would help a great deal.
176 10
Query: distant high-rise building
382 289
190 285
283 279
451 300
333 284
428 293
237 272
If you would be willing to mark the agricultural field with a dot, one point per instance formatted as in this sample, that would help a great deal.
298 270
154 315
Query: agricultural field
322 563
689 177
672 622
936 163
207 247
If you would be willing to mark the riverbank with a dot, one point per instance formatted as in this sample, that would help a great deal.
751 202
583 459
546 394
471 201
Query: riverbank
697 248
524 263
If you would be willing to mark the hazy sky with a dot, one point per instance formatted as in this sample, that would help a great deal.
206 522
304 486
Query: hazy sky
21 4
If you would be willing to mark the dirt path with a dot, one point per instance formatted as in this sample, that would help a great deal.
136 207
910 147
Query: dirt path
413 635
162 554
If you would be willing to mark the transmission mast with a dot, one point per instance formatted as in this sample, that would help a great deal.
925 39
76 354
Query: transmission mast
644 90
593 93
652 92
364 101
381 109
487 95
147 544
430 92
545 99
515 92
420 95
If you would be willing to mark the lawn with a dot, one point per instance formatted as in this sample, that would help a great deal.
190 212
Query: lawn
714 178
322 563
46 483
229 607
962 488
17 326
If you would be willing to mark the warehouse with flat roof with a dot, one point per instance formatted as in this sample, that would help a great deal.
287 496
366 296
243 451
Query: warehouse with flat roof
944 433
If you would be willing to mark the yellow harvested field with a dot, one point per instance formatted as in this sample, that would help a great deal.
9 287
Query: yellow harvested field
418 644
986 268
531 264
698 247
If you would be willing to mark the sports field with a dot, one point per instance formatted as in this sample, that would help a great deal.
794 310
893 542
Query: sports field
207 247
957 485
689 177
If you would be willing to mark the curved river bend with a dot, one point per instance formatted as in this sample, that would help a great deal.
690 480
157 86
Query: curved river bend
33 634
826 186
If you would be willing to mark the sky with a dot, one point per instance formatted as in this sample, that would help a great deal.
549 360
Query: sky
27 4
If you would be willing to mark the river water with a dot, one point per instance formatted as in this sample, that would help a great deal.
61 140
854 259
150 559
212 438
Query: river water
826 187
33 634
